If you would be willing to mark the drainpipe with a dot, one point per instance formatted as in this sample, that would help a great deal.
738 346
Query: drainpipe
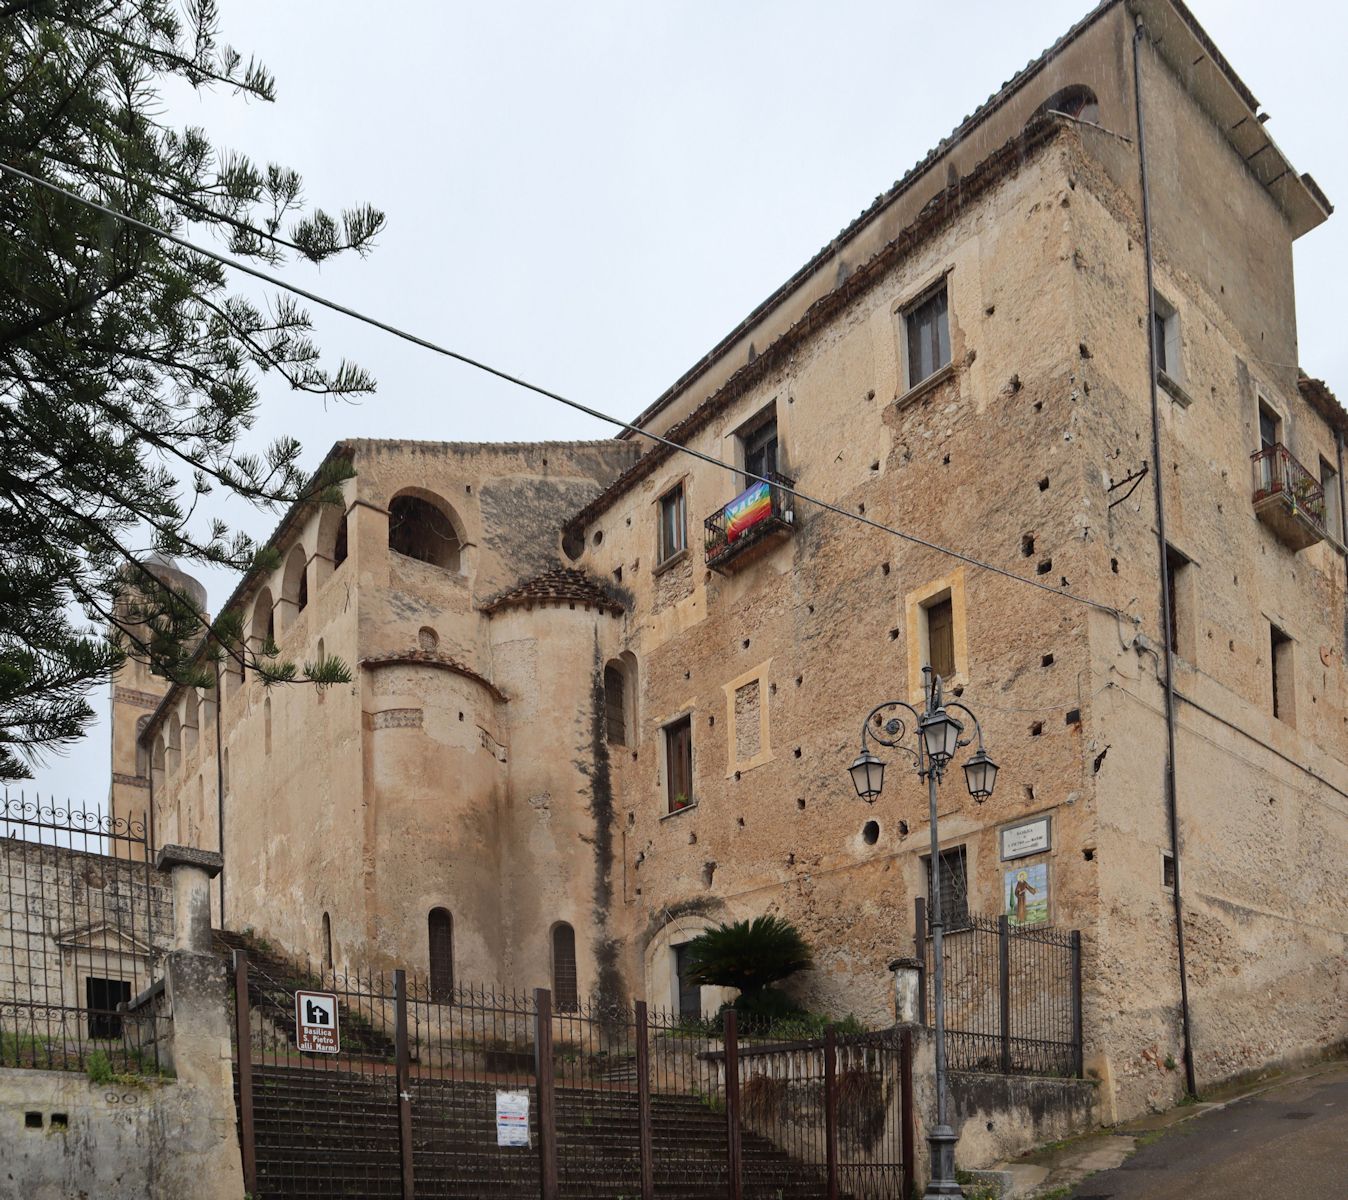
1343 515
220 791
1172 800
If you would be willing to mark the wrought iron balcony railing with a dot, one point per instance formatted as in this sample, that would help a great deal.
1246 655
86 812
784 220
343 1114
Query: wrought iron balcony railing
1287 497
763 512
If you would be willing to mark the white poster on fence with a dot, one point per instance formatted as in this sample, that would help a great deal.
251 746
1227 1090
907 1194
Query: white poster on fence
512 1118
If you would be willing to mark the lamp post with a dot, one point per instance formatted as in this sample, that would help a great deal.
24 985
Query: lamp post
938 739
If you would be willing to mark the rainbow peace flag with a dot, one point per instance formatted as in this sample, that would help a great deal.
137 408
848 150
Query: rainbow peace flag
747 509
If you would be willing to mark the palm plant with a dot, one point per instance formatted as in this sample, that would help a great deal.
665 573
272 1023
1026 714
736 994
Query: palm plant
750 956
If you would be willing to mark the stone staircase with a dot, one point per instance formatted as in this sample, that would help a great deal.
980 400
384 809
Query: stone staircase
272 983
335 1134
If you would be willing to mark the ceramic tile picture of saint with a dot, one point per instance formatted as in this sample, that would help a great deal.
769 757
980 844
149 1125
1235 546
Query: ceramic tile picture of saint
1027 895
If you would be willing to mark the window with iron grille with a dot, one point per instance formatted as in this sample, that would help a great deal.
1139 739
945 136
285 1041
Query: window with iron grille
565 984
102 996
928 324
954 886
673 523
440 932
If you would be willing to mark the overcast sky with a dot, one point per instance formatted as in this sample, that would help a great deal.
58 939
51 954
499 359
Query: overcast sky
591 195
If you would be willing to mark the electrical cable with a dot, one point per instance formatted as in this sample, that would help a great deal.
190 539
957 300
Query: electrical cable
476 364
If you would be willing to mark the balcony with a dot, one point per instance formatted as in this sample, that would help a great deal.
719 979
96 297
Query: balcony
1287 497
759 517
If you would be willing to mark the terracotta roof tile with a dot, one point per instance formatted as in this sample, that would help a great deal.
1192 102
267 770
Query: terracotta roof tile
560 585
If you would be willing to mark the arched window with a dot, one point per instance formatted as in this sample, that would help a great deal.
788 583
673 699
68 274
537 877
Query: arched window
419 529
615 704
295 583
565 986
339 544
1075 101
440 935
263 631
192 718
142 750
327 942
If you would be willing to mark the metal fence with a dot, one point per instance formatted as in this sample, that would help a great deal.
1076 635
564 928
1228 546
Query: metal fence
1012 996
84 919
622 1101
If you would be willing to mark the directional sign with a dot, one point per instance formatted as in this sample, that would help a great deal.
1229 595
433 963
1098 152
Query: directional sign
316 1022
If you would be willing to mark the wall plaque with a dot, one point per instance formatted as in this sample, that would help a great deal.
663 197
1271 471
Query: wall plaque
1029 837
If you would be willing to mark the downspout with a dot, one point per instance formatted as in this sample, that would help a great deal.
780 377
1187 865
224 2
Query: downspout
220 791
1172 799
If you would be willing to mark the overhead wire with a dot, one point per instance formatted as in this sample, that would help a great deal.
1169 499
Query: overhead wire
506 376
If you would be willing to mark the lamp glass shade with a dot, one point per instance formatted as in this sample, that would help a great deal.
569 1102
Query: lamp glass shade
868 775
940 736
980 773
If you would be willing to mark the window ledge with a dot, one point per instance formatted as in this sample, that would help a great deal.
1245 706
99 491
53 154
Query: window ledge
679 811
1177 393
672 561
918 390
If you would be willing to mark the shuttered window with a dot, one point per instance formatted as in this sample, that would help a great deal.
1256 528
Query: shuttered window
928 337
673 523
565 985
941 638
440 930
679 763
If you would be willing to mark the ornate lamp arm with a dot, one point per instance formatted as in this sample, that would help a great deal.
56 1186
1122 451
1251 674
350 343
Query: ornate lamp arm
978 729
893 731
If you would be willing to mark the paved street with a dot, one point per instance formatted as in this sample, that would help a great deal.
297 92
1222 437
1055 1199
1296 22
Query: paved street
1289 1141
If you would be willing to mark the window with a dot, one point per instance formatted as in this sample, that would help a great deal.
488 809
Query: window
1167 335
101 997
1178 594
615 707
327 942
940 619
928 336
339 544
1270 425
1329 481
142 750
760 449
1281 664
673 524
440 935
689 993
1167 870
418 529
954 887
679 763
565 986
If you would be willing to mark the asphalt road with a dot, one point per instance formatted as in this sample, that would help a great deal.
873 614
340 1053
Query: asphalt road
1290 1141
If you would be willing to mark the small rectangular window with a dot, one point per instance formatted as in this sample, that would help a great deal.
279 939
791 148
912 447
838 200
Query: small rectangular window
1167 870
1283 679
928 324
1166 332
1178 594
940 618
673 523
679 763
954 887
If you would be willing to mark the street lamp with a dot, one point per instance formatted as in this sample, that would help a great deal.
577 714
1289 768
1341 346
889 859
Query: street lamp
938 740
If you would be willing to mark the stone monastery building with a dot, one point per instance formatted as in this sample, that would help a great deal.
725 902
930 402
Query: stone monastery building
597 705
